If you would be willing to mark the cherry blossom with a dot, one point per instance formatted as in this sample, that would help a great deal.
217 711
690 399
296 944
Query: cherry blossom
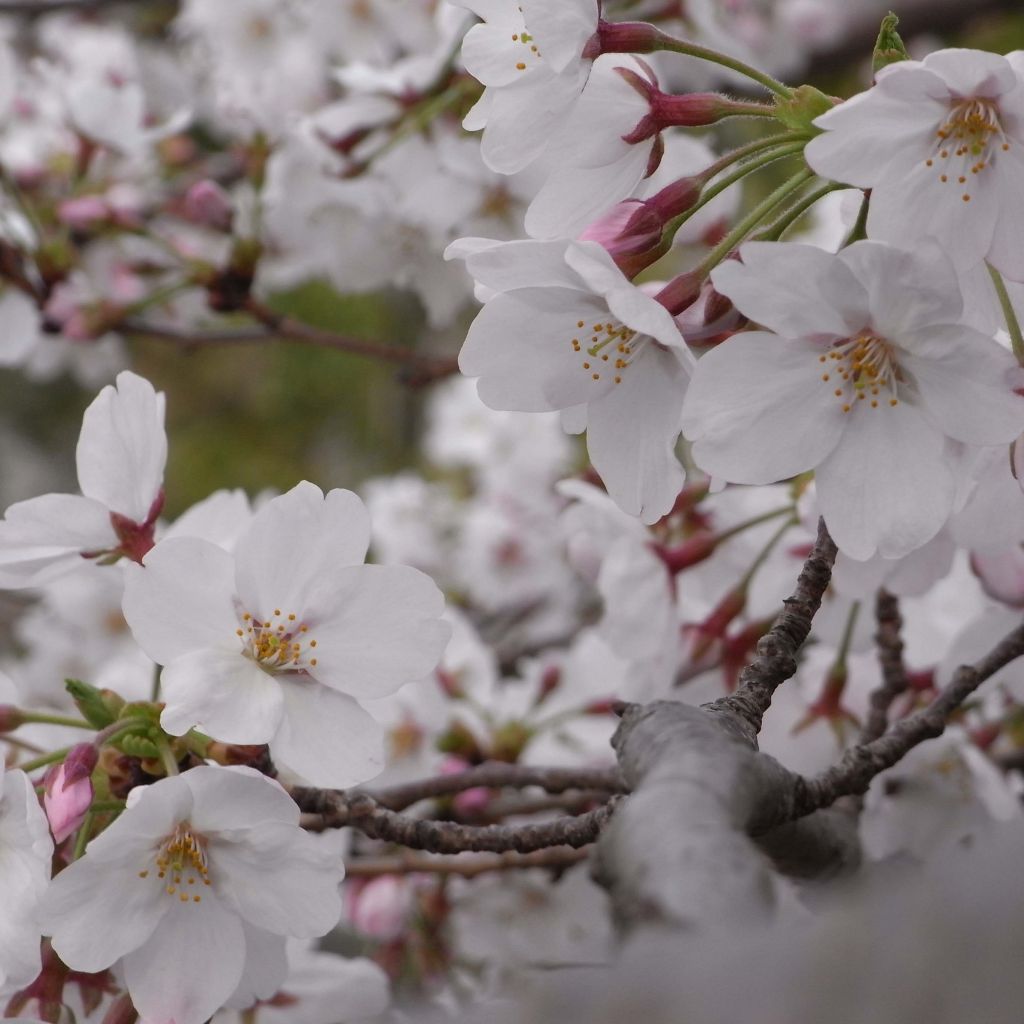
280 641
530 58
121 454
193 889
566 330
868 378
940 143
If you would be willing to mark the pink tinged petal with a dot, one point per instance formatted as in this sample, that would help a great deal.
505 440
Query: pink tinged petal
795 290
966 383
383 630
281 879
758 411
523 353
572 197
182 599
190 965
122 448
561 29
98 912
508 266
266 967
906 290
1001 574
1007 253
972 72
632 434
233 798
886 488
295 545
223 694
327 738
490 55
44 538
908 206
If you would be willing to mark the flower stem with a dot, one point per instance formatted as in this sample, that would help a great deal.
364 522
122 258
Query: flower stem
1009 314
47 719
773 541
82 838
748 524
167 757
847 639
44 759
859 231
752 220
775 231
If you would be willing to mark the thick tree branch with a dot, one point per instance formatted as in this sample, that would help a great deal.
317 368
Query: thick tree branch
890 657
326 808
557 858
775 661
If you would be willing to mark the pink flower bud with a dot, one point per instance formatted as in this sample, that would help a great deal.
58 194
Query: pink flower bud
208 204
380 907
83 213
68 791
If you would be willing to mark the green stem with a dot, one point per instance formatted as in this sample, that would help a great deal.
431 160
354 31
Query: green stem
83 835
752 220
673 45
44 759
775 231
765 552
847 639
154 691
47 719
103 806
748 524
167 756
1009 314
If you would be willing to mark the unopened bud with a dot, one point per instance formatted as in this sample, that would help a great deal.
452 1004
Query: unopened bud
84 212
11 718
889 47
690 552
68 791
208 204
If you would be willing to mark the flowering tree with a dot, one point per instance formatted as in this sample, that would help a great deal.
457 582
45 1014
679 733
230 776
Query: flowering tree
751 644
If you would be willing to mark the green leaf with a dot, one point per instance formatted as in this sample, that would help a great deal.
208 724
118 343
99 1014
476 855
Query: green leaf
889 48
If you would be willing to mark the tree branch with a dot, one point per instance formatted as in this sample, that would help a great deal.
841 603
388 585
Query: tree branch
326 808
853 774
775 660
497 775
890 658
556 858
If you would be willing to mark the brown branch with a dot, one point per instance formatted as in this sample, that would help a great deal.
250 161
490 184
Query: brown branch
853 774
775 660
37 8
468 866
417 368
326 808
890 658
497 775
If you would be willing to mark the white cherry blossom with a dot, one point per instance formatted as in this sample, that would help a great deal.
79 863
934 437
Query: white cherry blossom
530 58
121 454
279 642
564 329
940 143
194 889
869 378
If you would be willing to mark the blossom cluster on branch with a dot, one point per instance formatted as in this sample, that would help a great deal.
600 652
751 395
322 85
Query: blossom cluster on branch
707 584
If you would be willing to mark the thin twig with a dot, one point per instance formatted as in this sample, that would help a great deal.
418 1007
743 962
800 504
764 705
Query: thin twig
890 659
853 774
467 866
324 808
775 660
497 775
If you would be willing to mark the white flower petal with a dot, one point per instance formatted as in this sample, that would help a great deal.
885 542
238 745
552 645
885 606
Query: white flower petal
223 694
327 738
182 599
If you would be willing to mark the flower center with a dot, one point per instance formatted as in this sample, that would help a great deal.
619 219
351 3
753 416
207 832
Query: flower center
968 141
280 643
609 349
530 51
182 865
862 370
